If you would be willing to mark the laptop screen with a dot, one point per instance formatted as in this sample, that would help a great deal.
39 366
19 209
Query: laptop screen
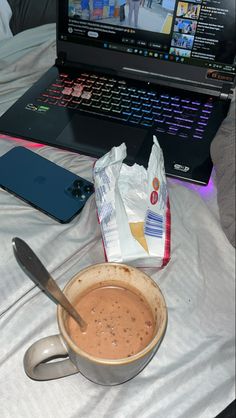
196 32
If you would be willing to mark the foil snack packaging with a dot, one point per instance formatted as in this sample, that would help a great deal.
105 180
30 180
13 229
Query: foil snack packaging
133 208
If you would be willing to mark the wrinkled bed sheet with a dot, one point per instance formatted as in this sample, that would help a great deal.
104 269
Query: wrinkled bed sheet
192 374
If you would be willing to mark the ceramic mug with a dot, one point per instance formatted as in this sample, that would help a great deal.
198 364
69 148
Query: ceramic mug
103 371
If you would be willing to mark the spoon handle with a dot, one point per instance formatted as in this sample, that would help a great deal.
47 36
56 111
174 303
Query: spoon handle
36 271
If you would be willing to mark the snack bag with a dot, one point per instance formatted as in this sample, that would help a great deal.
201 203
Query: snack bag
133 208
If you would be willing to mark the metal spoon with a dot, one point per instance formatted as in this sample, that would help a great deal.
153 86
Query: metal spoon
36 271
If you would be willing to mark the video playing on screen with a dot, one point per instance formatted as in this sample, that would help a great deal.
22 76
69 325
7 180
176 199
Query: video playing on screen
189 31
152 15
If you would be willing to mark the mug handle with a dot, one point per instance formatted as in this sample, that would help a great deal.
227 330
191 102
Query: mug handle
38 355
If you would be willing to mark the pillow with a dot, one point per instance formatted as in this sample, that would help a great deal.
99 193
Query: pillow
223 157
28 14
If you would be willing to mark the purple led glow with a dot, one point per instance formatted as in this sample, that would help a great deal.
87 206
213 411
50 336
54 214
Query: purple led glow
204 191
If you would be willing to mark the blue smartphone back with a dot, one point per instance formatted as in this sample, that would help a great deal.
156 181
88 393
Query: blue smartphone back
43 184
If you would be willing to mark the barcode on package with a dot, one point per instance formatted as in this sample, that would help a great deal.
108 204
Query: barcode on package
153 224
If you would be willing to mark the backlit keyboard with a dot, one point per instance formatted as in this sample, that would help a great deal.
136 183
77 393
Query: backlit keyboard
118 99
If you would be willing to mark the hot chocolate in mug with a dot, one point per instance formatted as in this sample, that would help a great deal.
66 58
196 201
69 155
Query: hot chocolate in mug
126 319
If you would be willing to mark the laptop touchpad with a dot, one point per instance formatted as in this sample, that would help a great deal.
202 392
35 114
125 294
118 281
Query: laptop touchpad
93 136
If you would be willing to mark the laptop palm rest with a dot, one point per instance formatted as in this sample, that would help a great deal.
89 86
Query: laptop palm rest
93 136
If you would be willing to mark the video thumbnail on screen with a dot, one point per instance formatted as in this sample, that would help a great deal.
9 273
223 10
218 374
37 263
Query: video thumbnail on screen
151 15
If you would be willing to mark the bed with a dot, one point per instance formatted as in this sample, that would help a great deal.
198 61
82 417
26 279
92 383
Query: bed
193 373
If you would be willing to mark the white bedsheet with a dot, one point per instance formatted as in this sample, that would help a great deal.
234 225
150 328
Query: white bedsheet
5 17
192 374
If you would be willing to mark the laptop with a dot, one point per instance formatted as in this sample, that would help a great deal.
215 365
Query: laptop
124 73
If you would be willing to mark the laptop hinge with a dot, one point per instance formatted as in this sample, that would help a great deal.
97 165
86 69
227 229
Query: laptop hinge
222 91
61 59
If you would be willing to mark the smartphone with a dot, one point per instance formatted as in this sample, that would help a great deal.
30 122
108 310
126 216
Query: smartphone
43 184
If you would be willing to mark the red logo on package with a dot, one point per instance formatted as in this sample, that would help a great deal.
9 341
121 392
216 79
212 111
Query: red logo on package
154 197
155 183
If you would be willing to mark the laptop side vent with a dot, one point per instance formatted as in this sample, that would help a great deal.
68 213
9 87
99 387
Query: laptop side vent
226 92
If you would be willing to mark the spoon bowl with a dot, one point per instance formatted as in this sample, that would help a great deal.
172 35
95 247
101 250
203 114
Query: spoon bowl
36 271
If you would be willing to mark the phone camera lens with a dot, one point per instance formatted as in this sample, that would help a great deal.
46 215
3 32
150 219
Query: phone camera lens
88 188
76 192
77 184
